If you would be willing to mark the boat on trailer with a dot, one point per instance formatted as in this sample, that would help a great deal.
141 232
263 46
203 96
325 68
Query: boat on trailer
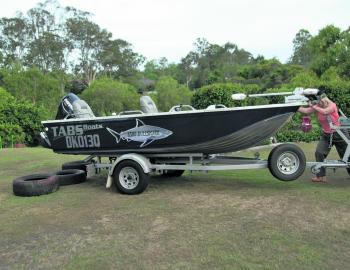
208 131
138 143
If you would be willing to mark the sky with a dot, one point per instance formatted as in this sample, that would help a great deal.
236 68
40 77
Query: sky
164 28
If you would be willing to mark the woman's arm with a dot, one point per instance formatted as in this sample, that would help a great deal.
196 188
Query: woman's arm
329 109
308 110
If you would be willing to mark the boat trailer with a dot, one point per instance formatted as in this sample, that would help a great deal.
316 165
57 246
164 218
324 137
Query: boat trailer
286 162
130 172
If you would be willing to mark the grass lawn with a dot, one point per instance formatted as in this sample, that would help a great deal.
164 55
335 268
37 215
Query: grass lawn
221 220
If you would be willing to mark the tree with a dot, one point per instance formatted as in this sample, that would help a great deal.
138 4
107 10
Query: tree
13 39
155 69
325 49
46 52
306 79
106 96
344 54
152 70
301 50
37 38
75 86
87 39
171 93
117 59
188 67
210 63
5 97
40 89
268 73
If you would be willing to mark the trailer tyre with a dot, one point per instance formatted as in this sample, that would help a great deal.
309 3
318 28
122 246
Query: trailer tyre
71 177
129 177
173 173
287 162
35 185
76 165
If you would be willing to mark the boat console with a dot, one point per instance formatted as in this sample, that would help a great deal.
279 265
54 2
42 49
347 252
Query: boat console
147 105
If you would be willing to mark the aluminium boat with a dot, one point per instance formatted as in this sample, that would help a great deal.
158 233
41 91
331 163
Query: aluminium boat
209 131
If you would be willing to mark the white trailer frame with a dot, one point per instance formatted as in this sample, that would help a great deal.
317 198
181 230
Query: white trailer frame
187 161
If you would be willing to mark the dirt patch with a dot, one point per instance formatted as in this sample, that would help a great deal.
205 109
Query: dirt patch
2 197
206 201
301 214
157 230
159 226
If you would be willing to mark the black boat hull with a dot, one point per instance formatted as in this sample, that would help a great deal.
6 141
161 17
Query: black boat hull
208 132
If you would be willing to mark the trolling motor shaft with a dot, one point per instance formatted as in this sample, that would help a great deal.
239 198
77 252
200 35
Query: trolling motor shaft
298 95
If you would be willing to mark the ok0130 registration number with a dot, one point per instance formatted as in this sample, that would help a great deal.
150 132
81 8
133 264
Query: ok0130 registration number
83 141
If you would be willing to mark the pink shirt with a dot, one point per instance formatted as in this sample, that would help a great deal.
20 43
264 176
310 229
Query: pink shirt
322 118
322 114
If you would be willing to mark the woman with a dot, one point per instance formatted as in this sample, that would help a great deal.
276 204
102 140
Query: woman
326 109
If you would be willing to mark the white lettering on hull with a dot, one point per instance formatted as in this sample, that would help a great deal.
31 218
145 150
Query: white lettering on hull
83 141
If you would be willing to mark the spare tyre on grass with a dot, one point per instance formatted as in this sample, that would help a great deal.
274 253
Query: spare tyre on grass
71 177
35 185
77 165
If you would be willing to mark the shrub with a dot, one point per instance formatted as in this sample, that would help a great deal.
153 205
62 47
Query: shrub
33 85
339 92
171 93
298 135
220 93
11 134
25 115
291 131
75 86
5 97
106 96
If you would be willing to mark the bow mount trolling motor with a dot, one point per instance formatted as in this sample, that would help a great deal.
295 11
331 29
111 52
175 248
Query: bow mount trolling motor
298 95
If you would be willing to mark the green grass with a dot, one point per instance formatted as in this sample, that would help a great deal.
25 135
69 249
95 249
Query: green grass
222 220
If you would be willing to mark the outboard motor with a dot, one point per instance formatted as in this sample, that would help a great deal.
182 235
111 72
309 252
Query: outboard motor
72 106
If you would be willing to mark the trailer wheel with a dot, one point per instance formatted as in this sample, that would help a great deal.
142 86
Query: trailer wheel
173 173
129 178
287 162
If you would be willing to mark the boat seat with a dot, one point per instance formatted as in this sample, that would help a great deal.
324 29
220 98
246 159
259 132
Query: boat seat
82 110
147 105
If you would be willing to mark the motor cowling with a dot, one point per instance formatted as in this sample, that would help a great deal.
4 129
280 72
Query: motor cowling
65 108
73 107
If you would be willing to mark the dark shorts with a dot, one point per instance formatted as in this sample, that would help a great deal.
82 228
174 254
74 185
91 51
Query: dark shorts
325 144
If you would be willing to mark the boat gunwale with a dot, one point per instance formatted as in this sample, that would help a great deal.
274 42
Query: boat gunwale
112 117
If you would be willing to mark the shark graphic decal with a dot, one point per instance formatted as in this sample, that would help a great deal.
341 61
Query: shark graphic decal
141 133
